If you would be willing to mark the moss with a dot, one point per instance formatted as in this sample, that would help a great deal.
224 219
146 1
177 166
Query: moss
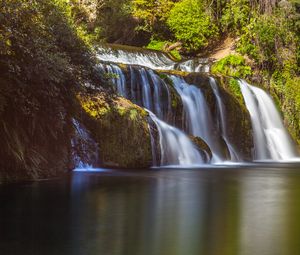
232 65
176 55
120 128
123 66
121 110
160 46
174 72
133 114
176 102
234 87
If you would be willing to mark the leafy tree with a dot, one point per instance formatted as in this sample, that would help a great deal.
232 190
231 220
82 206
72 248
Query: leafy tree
236 14
191 24
152 11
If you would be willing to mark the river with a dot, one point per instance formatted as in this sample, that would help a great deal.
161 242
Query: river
242 210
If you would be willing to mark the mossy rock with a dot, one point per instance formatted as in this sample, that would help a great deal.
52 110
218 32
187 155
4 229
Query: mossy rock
202 147
176 103
120 128
173 72
239 126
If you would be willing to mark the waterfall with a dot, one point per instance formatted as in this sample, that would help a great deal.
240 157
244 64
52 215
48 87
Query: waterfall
84 148
117 77
135 56
222 117
149 58
271 139
194 65
146 89
176 148
198 119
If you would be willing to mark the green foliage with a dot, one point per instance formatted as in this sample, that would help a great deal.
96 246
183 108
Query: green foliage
236 15
160 46
191 24
43 60
156 45
235 89
151 12
285 87
176 54
270 42
232 65
114 20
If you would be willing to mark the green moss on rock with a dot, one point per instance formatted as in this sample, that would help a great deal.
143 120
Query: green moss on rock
120 128
238 118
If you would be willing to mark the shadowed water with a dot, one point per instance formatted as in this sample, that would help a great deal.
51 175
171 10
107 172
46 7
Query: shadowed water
242 210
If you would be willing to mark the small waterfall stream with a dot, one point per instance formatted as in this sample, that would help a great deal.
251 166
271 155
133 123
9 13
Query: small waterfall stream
197 115
223 124
118 79
145 89
271 139
84 148
176 148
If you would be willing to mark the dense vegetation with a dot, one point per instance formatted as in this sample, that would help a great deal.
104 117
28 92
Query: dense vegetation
44 57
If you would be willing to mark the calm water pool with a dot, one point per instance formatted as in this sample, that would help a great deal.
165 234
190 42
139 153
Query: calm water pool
252 210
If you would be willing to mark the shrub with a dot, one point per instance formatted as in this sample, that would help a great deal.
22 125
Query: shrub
232 65
160 45
191 24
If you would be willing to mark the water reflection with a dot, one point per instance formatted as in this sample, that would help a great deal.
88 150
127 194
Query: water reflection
178 212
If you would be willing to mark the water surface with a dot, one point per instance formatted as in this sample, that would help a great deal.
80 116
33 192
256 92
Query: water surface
243 210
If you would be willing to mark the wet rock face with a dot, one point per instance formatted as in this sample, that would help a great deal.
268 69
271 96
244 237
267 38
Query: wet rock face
202 147
120 128
238 121
85 150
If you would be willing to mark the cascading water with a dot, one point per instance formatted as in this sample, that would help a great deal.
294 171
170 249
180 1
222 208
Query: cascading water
222 117
176 148
149 58
84 148
146 88
194 65
271 140
198 119
118 77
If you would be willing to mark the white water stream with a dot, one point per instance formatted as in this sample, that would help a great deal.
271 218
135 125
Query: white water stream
271 139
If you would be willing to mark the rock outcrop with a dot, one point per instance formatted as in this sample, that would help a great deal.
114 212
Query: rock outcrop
120 128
